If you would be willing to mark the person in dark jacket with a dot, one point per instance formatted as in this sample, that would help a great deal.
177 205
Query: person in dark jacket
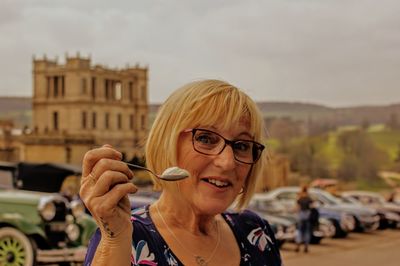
304 205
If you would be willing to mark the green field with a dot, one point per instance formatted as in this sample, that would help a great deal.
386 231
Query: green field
388 141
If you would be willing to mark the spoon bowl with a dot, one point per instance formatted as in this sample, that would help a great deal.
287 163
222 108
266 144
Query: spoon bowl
170 174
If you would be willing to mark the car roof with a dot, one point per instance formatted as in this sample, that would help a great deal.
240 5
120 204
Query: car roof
361 193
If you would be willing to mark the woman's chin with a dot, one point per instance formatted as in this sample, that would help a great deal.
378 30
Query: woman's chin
213 208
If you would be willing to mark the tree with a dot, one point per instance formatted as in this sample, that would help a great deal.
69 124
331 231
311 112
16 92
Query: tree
349 168
393 122
306 158
362 159
365 124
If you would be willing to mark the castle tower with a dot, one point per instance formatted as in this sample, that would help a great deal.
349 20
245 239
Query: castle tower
77 106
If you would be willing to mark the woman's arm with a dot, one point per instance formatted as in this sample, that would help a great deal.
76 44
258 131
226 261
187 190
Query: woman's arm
104 187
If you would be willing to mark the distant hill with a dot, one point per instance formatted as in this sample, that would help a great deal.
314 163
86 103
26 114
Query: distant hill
334 116
11 104
17 109
20 109
343 116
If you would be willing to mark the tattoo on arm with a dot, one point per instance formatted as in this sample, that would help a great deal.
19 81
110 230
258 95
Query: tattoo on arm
106 227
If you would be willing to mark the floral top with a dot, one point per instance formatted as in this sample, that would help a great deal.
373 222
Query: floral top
254 235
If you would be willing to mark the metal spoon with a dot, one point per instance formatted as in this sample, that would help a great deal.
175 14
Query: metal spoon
170 174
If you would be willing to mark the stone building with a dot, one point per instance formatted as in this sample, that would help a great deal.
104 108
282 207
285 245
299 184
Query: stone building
78 106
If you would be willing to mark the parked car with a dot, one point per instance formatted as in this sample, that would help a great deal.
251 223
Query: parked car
343 221
366 219
267 206
389 213
284 228
37 223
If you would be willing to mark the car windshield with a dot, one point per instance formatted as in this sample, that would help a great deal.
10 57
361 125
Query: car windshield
267 205
350 200
327 198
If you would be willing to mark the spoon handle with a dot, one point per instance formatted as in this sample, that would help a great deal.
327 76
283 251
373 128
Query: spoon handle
135 166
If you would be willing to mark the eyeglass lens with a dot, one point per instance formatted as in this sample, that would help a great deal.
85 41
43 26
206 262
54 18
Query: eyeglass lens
211 143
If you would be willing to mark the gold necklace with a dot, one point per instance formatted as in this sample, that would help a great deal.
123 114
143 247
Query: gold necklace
199 259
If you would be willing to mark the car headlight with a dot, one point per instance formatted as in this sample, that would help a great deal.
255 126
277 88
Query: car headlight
291 229
279 232
47 209
347 222
77 208
73 232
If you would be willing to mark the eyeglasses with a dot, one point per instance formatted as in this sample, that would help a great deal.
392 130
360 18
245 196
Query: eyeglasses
211 143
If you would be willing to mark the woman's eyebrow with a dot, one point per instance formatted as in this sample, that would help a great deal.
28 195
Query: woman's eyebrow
245 134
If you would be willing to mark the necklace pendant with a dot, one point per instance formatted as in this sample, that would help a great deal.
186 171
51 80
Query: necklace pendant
201 261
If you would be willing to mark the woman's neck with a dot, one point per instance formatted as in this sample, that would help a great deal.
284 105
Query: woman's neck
179 214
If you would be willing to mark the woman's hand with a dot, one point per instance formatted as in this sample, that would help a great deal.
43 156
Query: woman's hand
105 185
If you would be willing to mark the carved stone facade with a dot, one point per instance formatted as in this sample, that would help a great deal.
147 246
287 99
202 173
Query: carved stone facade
77 106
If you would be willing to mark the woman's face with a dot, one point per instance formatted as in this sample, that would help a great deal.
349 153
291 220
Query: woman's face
215 180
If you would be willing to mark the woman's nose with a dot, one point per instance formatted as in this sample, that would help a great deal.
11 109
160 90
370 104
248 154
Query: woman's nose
226 159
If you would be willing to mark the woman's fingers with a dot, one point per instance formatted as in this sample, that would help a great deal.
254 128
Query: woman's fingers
106 164
104 205
107 181
93 156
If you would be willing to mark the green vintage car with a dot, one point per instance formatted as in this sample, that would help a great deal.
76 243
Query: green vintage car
38 224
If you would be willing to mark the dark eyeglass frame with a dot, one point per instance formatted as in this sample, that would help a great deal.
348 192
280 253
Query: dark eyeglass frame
260 147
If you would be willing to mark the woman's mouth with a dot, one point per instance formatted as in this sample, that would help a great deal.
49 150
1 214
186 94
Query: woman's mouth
217 183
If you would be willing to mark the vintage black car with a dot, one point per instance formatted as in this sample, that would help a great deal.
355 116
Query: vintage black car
38 223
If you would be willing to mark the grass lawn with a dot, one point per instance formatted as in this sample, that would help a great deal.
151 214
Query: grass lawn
389 141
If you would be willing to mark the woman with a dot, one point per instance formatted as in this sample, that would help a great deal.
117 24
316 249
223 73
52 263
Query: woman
304 203
213 130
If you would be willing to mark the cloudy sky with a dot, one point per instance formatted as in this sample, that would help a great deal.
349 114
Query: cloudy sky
332 52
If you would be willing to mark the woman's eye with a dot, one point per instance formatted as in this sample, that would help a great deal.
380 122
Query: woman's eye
206 138
243 146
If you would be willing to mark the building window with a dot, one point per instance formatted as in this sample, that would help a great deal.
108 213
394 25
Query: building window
94 122
84 120
48 87
62 86
93 88
130 88
55 87
119 121
131 117
55 120
107 121
107 89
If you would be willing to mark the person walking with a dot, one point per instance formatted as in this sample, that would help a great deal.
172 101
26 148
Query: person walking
304 203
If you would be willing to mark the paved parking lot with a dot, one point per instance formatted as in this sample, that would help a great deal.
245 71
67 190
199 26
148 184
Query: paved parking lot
364 249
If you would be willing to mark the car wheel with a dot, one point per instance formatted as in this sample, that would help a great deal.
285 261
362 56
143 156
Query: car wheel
315 240
15 248
339 233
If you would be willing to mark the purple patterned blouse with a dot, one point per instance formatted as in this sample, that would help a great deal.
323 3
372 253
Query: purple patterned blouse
254 235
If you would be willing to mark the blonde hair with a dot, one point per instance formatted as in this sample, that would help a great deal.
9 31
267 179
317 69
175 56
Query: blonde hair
205 103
